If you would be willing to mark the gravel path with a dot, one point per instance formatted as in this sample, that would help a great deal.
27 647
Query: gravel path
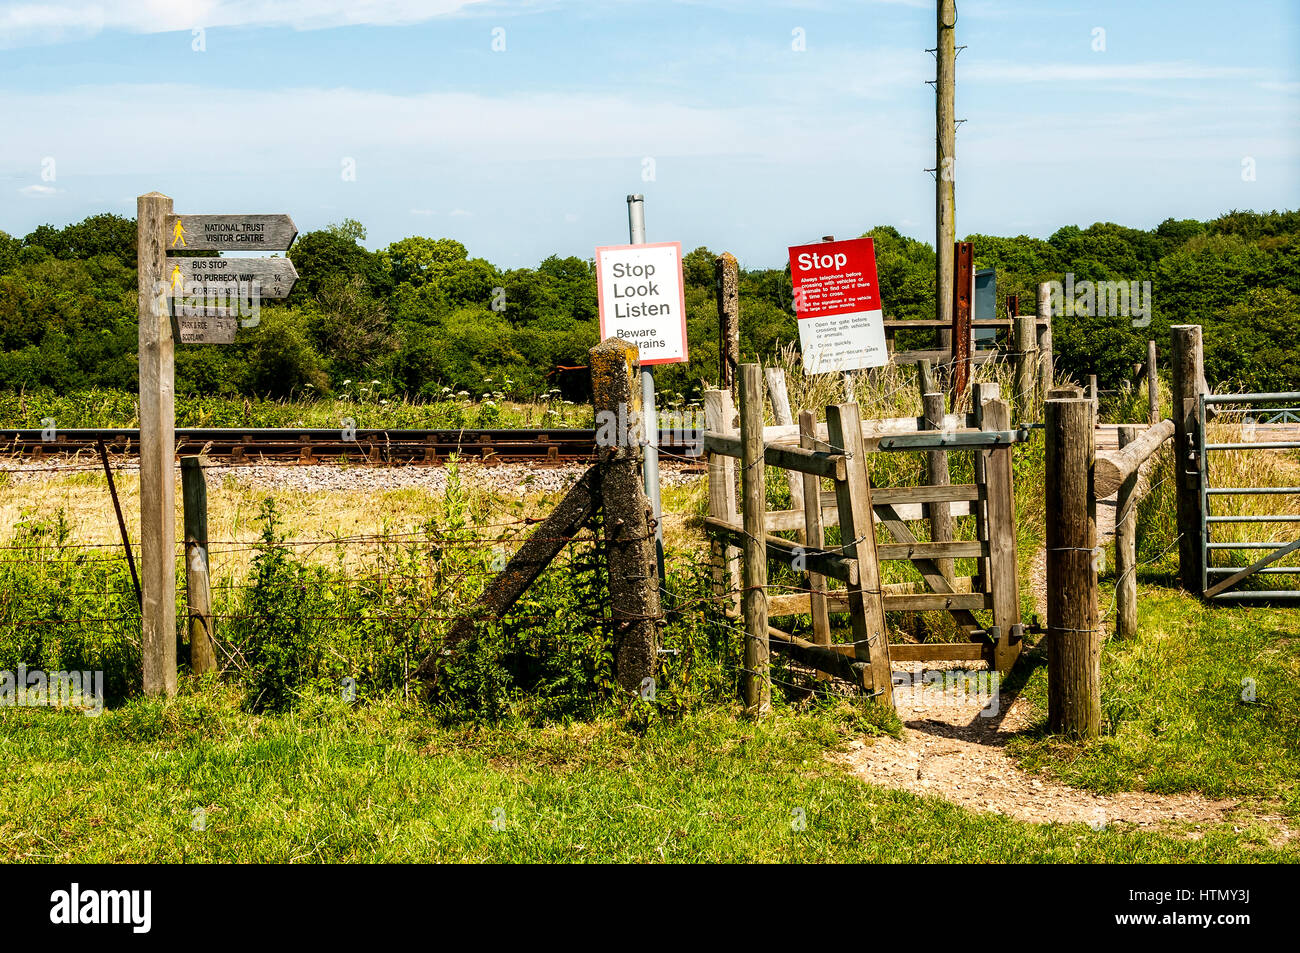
518 479
949 750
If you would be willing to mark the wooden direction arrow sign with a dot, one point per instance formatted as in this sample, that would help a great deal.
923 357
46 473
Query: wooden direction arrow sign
206 330
230 232
274 276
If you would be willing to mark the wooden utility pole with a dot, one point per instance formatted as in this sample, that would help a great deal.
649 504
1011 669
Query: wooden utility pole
945 165
1153 385
758 678
1187 371
1073 630
198 594
727 271
1126 546
157 449
628 517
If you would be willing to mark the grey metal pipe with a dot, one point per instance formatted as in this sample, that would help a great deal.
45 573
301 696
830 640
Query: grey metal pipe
649 410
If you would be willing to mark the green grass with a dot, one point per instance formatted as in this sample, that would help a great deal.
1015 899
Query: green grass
1173 706
380 782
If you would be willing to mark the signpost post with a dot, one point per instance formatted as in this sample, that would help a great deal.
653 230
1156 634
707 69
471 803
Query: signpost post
837 303
642 301
205 299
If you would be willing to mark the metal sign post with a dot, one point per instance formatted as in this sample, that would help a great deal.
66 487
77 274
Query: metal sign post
650 413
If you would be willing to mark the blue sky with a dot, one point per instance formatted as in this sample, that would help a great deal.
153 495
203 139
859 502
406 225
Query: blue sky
531 150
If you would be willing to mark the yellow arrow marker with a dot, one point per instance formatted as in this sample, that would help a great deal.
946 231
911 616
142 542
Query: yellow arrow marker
178 234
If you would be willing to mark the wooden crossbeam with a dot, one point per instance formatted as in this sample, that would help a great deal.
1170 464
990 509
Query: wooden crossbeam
565 522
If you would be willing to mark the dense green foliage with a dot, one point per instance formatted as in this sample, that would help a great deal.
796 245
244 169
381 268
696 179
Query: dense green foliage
425 319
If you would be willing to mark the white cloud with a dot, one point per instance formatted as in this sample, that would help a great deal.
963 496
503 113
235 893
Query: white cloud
1101 72
38 191
23 23
459 213
118 130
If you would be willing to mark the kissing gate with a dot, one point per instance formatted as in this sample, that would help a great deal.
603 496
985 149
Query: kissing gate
837 451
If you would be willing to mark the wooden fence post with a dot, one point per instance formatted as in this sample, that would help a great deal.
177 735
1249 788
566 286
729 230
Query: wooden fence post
814 535
1094 394
628 518
1046 370
925 377
981 393
963 288
1153 385
1126 546
727 272
157 449
198 595
780 398
937 468
1026 345
1187 371
758 677
858 541
1073 632
1003 571
719 417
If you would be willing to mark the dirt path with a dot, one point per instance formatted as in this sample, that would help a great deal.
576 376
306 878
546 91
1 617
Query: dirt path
949 750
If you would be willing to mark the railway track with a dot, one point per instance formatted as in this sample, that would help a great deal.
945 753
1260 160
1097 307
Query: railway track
311 445
318 445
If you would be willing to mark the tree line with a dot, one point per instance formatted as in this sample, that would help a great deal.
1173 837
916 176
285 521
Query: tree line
426 320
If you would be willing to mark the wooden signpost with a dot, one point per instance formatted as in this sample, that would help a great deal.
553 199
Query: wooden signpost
184 291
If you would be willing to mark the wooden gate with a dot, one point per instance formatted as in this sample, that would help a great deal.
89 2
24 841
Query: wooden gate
1246 423
838 450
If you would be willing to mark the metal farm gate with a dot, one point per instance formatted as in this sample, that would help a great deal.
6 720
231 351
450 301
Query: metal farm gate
1248 426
